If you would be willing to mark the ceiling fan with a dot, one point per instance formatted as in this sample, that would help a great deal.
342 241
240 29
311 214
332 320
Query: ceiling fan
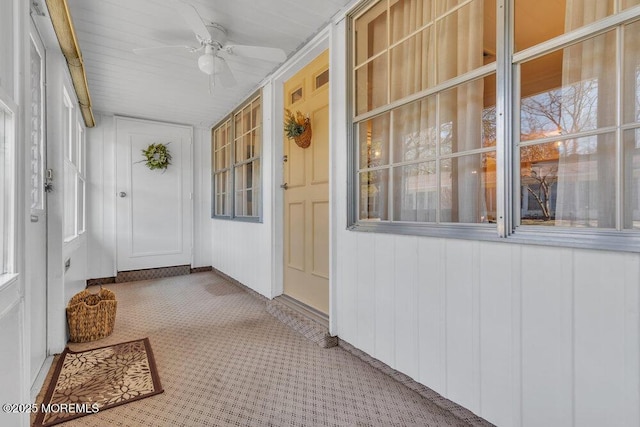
212 39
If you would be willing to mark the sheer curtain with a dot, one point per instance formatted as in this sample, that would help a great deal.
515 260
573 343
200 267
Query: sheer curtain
413 124
586 166
460 49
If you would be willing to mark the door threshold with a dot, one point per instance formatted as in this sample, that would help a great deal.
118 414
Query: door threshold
307 321
304 309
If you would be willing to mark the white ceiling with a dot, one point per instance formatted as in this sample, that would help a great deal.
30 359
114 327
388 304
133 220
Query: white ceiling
170 87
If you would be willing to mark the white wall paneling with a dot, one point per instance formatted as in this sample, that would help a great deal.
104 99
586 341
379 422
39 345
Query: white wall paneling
477 321
101 183
13 357
101 202
202 195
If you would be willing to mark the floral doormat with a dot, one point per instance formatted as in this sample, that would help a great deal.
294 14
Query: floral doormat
87 382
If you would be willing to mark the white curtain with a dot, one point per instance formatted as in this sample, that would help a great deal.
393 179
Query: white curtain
586 166
460 40
413 124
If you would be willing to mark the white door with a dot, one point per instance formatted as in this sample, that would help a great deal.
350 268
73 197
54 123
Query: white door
36 242
154 207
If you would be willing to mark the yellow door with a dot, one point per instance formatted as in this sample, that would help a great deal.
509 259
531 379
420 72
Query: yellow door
306 198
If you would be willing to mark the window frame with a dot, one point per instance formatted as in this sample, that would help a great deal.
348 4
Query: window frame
235 164
9 178
74 169
506 228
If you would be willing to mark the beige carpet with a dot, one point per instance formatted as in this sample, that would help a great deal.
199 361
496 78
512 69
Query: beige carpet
224 361
87 382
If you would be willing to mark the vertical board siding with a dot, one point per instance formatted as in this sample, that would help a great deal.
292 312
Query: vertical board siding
430 314
384 299
599 339
238 250
522 335
547 327
406 305
347 282
631 308
459 262
366 293
495 303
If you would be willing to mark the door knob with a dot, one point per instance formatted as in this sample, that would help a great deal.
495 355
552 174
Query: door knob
122 194
284 186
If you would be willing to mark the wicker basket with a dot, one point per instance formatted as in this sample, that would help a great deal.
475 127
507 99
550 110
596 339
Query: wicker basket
304 139
91 316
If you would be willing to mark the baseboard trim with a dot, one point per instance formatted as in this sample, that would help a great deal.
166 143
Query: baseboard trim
459 411
148 273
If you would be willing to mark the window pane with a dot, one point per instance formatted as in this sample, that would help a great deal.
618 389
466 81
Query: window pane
415 192
569 91
464 37
248 144
374 195
81 205
238 125
249 175
414 131
631 55
69 208
237 141
374 142
632 179
256 188
239 178
468 189
36 140
256 117
466 118
371 32
239 203
408 16
412 65
239 152
569 183
542 20
6 202
322 79
246 119
255 138
371 85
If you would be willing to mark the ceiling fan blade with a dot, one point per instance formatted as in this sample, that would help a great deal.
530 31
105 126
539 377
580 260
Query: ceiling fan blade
191 15
223 73
159 50
272 54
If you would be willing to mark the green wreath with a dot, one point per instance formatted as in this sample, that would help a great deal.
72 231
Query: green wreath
157 155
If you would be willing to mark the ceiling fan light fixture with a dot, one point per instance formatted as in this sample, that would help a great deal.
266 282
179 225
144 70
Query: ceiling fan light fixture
206 63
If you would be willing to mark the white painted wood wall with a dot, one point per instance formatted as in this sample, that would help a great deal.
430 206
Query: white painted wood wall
244 250
101 180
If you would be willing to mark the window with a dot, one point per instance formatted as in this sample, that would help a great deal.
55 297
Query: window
74 171
7 189
430 159
236 146
570 132
432 153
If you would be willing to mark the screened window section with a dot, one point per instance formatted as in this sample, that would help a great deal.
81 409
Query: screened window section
236 159
7 190
429 148
426 146
579 118
74 172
